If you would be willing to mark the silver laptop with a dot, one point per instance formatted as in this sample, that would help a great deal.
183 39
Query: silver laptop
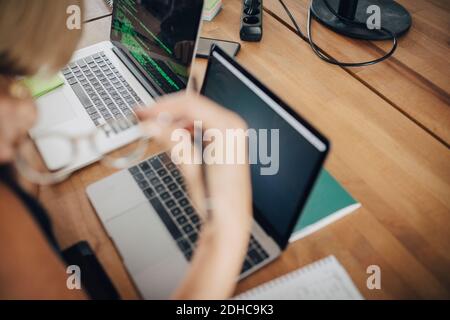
149 54
149 216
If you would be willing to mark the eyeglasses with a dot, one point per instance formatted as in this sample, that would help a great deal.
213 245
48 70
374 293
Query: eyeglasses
68 150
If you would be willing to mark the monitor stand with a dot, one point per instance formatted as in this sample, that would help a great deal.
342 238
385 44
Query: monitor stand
394 17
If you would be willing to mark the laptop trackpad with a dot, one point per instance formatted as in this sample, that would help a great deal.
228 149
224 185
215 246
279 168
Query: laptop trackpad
142 238
53 109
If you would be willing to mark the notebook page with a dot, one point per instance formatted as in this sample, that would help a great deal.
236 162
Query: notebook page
325 279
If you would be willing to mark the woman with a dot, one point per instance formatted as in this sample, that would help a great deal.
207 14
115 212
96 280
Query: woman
32 267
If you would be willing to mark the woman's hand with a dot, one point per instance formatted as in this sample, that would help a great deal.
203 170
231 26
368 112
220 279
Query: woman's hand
17 116
224 240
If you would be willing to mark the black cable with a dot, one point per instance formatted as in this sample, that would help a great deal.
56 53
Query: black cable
320 52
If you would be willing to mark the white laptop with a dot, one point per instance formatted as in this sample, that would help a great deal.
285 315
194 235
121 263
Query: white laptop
149 54
147 212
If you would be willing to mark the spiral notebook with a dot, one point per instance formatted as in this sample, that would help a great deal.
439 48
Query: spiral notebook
325 279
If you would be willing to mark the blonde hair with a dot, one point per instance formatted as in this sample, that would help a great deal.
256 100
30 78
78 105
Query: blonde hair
34 36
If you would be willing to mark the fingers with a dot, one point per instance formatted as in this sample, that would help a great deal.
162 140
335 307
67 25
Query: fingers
177 140
183 109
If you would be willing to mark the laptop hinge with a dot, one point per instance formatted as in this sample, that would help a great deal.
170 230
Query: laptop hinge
150 87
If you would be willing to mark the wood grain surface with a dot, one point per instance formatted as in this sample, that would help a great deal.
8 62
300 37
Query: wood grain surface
391 154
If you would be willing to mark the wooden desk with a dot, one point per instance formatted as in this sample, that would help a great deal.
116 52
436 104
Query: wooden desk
95 10
415 80
396 169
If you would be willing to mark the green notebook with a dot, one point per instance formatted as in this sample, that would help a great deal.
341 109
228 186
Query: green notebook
328 202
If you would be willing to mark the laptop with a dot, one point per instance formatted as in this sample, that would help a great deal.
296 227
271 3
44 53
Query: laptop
150 218
149 54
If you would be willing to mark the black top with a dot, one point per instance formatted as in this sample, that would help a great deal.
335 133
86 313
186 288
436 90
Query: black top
36 210
95 280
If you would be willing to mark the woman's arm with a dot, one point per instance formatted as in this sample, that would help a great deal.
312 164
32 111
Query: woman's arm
30 269
217 262
224 238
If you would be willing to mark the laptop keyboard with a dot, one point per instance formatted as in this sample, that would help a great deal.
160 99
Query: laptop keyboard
164 187
103 91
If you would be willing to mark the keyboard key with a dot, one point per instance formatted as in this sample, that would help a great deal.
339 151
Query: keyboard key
184 245
176 212
156 164
139 177
167 220
91 110
96 116
162 172
149 193
188 228
182 220
72 81
84 99
246 266
144 166
176 173
171 166
178 194
170 204
143 184
155 181
195 219
134 170
189 211
254 256
165 196
172 187
193 237
164 158
167 180
150 174
183 202
160 188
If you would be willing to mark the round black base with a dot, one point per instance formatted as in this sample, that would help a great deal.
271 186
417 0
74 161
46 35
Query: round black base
394 17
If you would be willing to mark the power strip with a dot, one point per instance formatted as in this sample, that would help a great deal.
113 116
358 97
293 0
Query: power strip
251 20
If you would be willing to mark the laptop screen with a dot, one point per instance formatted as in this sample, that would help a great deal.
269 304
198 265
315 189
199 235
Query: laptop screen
159 36
288 162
